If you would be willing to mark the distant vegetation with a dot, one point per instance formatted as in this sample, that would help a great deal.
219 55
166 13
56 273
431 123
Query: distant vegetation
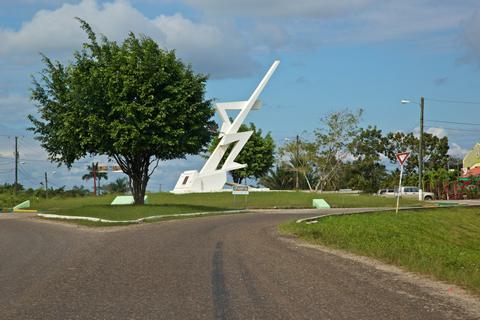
9 199
342 155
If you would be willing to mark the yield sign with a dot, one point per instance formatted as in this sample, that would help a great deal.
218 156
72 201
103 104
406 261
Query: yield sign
402 157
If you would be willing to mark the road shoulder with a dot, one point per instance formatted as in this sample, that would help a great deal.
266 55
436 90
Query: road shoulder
448 292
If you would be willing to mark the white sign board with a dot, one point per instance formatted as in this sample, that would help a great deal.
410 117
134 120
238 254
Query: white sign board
240 190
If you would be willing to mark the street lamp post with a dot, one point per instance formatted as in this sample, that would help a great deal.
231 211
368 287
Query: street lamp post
420 149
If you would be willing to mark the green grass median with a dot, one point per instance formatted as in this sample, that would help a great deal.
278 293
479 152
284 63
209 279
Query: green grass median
278 199
168 204
225 200
444 243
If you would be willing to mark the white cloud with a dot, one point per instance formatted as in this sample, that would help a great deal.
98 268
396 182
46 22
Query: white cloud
14 110
457 151
217 49
211 48
216 43
394 19
282 8
335 21
472 38
57 30
439 132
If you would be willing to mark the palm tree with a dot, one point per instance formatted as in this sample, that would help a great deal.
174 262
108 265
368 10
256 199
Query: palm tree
120 185
90 174
280 178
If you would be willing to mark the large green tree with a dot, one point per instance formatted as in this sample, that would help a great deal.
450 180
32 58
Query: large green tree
333 140
366 172
133 102
435 150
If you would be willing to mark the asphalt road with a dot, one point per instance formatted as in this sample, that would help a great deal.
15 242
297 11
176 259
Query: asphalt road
224 267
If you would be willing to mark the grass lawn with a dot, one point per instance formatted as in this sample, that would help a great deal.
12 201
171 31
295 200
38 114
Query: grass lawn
225 200
166 203
277 199
444 243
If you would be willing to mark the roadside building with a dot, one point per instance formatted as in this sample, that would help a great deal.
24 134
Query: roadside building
471 162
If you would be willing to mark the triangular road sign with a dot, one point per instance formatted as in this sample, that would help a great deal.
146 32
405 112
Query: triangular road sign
402 157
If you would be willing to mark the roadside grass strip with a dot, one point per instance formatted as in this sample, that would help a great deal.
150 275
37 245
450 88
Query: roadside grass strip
442 242
140 220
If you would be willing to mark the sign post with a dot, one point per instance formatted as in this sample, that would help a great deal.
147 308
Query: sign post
240 190
402 158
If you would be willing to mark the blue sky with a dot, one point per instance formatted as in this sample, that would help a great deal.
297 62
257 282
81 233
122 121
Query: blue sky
335 54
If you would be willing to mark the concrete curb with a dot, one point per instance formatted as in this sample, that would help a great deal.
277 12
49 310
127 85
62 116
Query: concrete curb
193 214
311 219
369 210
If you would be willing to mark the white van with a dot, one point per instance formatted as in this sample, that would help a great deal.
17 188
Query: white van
412 192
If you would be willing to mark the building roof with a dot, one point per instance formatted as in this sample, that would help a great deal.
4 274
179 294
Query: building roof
472 158
473 172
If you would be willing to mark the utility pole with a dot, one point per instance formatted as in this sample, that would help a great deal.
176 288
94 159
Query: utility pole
46 185
420 147
297 155
94 168
420 152
16 166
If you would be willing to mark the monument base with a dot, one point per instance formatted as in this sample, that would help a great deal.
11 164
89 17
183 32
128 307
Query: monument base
193 181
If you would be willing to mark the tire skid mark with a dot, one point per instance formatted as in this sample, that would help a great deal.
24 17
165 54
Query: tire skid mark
249 283
219 289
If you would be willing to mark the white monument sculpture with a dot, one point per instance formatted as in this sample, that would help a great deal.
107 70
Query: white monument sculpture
211 178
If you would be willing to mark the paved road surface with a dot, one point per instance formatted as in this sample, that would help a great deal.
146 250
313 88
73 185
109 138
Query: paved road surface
224 267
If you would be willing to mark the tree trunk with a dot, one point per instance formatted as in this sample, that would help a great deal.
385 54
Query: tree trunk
137 169
236 178
138 185
308 182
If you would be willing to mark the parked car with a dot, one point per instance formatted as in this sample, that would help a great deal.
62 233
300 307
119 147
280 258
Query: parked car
413 193
407 191
386 192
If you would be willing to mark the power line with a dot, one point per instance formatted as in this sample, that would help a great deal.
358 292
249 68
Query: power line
27 176
46 160
31 179
463 130
452 101
453 122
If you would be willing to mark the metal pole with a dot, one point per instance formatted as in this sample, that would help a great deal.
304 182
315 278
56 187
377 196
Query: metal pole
296 171
16 166
94 168
46 186
420 152
399 188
